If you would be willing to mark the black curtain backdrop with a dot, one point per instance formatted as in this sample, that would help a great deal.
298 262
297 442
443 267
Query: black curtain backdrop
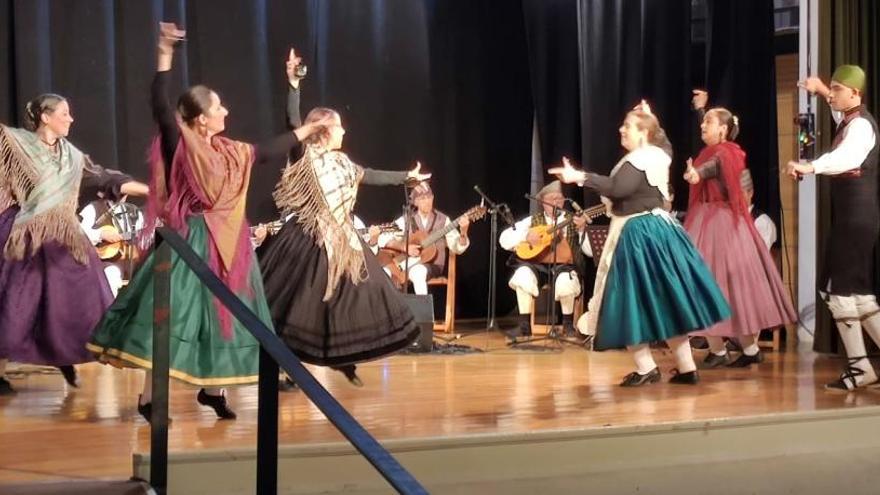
551 30
456 85
629 50
441 82
481 127
741 77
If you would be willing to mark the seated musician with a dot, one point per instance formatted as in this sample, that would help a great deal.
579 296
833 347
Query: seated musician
105 228
525 279
423 221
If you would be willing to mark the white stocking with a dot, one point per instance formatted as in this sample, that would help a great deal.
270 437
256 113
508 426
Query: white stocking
749 344
716 345
644 360
684 357
524 302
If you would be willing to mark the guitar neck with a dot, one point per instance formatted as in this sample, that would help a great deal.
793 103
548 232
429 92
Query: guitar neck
439 234
591 212
383 227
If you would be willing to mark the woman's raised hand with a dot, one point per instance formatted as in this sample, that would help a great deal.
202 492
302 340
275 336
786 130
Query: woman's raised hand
416 174
169 35
567 173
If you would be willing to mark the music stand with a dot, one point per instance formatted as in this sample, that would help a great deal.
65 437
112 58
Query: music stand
597 234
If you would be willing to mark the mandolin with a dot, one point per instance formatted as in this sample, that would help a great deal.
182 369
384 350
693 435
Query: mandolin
109 250
547 233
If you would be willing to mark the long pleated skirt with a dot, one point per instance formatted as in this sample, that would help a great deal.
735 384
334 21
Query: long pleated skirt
742 266
360 322
49 303
200 354
657 286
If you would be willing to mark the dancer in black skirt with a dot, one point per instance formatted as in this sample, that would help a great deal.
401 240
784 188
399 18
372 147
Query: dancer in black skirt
329 298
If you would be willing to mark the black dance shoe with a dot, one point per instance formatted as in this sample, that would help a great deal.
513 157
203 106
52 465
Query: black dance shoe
146 410
69 373
715 361
217 403
744 361
6 388
350 372
522 330
634 379
689 378
287 385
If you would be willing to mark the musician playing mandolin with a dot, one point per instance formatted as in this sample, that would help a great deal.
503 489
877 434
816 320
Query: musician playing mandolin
423 221
527 273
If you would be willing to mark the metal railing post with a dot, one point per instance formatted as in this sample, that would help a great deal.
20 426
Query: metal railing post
267 426
161 324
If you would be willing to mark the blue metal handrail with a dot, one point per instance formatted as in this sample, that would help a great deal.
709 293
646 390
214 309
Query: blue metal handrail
272 355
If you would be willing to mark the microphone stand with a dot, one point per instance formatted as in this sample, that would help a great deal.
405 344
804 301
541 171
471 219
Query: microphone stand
407 209
493 210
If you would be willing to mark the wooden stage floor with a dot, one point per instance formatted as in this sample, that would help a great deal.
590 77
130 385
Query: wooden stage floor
50 432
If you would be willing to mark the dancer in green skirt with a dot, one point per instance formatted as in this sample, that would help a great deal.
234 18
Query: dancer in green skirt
200 181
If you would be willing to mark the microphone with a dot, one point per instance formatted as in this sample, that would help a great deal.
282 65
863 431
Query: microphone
576 206
508 217
498 207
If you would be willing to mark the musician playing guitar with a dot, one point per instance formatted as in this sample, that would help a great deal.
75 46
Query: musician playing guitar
114 248
423 221
529 272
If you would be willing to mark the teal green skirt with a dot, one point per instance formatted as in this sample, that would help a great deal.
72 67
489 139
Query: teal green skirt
657 287
199 353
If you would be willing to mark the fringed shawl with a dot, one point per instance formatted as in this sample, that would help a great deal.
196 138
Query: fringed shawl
732 162
211 180
320 190
46 188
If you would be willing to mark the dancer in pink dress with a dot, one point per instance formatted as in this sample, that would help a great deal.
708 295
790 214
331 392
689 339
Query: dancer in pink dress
720 225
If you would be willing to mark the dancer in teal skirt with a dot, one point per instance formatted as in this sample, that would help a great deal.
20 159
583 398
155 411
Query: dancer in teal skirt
651 283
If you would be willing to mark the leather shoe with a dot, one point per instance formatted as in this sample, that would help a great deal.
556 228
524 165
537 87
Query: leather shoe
634 379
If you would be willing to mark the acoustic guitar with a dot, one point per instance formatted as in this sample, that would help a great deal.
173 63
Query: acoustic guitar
425 243
540 251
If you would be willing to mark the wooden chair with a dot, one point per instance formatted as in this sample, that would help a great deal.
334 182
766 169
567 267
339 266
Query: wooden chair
448 324
774 343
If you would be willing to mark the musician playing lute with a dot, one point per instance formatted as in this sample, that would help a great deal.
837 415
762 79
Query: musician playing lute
528 273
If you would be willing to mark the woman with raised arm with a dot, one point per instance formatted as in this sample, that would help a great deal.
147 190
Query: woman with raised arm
719 222
200 183
330 300
651 283
52 285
